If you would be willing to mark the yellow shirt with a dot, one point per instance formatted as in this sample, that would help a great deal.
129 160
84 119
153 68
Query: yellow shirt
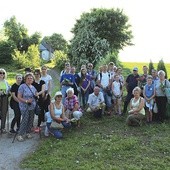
3 86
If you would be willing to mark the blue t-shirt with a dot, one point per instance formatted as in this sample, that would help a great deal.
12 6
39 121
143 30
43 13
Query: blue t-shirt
68 77
149 90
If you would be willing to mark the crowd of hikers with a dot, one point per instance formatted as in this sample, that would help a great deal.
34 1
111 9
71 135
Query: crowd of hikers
85 91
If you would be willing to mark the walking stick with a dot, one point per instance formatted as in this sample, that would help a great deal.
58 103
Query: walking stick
7 117
14 137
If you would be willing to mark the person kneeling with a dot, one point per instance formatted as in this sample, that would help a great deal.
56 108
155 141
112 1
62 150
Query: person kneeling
56 118
137 111
96 103
72 107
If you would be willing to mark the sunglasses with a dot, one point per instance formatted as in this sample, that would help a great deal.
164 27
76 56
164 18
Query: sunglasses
2 73
59 96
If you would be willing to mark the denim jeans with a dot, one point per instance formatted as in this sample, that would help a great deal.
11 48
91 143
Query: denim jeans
57 133
107 99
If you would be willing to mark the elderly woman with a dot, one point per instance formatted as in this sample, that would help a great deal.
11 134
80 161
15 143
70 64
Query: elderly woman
137 111
161 99
4 90
26 95
14 103
56 117
72 107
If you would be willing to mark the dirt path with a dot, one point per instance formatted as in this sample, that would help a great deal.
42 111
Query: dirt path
11 154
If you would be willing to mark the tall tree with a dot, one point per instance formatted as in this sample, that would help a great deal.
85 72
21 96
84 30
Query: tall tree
57 42
151 66
109 26
17 33
6 50
161 66
35 38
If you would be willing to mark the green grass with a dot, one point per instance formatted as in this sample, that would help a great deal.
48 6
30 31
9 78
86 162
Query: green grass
104 144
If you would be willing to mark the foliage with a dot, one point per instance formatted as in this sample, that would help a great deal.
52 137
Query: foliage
151 66
35 38
86 47
31 58
6 50
99 32
161 66
59 59
18 34
2 36
57 42
110 57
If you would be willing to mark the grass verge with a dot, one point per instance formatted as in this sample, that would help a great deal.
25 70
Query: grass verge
104 144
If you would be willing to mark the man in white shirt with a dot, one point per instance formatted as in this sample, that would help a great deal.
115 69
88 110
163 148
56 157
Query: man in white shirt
96 104
104 82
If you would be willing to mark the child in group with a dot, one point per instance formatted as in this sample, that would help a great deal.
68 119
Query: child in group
149 94
117 94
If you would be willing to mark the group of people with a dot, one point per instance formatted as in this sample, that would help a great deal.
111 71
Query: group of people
97 92
101 92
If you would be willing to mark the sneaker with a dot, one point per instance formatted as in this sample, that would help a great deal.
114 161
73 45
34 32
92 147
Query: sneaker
73 120
46 132
20 138
28 135
3 131
12 131
37 130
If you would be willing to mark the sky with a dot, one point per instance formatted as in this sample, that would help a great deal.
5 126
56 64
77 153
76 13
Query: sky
149 20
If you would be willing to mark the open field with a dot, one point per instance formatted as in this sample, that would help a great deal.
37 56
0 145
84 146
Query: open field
131 65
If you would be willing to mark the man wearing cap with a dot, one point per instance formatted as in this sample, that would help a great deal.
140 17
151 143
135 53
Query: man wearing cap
131 83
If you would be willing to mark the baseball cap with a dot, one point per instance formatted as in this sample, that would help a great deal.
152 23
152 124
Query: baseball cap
135 69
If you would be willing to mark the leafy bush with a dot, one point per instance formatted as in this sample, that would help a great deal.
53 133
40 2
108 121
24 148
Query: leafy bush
31 58
59 59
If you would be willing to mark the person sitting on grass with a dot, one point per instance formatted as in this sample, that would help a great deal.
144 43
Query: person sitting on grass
56 118
149 94
137 111
96 104
72 107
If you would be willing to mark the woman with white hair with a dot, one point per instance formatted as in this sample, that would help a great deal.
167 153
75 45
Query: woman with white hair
137 111
161 99
4 91
72 107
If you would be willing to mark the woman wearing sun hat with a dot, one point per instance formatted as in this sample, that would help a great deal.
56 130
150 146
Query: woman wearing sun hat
56 117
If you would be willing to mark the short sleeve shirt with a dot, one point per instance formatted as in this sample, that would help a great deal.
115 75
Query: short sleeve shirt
70 102
46 78
94 100
27 94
